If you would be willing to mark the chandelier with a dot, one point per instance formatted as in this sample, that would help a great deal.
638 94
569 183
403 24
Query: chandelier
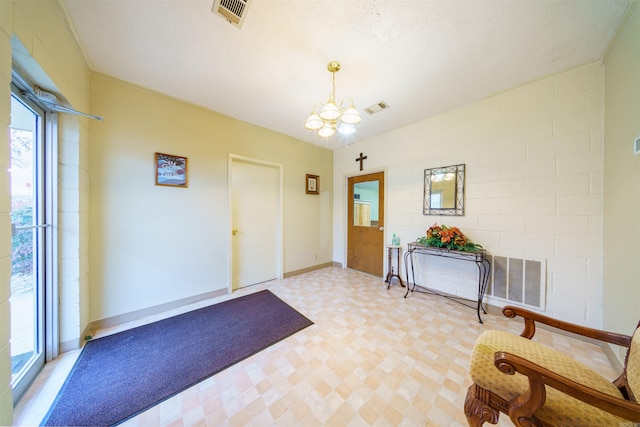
332 116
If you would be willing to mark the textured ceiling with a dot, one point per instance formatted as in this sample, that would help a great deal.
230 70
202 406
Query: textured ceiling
421 57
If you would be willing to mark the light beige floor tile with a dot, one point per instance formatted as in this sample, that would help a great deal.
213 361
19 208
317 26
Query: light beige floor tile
372 358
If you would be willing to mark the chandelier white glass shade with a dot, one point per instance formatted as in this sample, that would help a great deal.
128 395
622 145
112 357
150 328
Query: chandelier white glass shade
331 117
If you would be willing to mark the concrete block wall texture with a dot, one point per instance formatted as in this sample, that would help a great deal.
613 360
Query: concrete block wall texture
534 168
73 212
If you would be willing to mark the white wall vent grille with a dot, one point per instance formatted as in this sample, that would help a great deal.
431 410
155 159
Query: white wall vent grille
518 281
232 11
376 108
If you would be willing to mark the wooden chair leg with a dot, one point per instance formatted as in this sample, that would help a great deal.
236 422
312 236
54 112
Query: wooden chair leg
477 409
522 409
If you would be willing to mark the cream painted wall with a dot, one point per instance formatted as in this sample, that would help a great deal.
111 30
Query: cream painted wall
622 181
152 245
6 32
534 161
517 202
48 54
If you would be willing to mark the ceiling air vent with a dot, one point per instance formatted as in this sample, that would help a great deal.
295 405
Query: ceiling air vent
376 108
232 11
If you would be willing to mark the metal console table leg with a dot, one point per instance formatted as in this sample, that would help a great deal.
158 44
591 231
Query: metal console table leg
479 257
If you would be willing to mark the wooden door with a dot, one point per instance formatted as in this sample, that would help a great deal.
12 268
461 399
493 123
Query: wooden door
365 230
254 219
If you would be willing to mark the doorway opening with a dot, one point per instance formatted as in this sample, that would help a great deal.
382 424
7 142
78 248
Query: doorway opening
365 223
33 208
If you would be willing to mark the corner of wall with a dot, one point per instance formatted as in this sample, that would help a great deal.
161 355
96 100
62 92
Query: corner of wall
621 271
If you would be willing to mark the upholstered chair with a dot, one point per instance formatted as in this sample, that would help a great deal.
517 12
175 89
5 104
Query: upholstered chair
537 386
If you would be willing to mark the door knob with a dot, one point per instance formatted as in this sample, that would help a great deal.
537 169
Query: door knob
381 228
234 231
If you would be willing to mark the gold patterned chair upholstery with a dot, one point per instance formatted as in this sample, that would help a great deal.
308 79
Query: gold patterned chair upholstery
537 386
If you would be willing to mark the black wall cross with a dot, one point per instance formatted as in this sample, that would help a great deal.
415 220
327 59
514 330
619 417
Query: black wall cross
361 159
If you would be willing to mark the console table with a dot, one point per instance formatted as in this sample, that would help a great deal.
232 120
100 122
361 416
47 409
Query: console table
479 257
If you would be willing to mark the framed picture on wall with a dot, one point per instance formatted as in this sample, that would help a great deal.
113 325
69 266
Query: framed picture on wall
313 184
171 170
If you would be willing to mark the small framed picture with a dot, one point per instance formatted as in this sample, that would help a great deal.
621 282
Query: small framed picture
171 170
313 184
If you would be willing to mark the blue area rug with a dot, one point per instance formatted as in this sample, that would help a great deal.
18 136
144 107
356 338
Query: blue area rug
121 375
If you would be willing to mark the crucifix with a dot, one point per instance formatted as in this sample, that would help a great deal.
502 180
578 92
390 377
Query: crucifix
361 159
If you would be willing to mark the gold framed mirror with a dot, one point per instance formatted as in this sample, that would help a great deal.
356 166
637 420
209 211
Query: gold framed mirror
444 191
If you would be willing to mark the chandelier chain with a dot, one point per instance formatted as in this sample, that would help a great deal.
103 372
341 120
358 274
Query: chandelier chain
333 116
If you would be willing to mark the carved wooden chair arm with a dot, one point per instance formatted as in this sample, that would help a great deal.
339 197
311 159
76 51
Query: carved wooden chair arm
530 317
528 403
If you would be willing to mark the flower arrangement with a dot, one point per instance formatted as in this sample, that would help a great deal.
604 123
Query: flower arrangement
442 236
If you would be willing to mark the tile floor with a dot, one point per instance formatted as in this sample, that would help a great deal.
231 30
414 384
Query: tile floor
372 358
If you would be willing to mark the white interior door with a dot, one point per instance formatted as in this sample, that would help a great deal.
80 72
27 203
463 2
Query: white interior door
255 223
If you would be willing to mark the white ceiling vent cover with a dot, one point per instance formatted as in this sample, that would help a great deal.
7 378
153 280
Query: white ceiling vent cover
376 108
232 11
